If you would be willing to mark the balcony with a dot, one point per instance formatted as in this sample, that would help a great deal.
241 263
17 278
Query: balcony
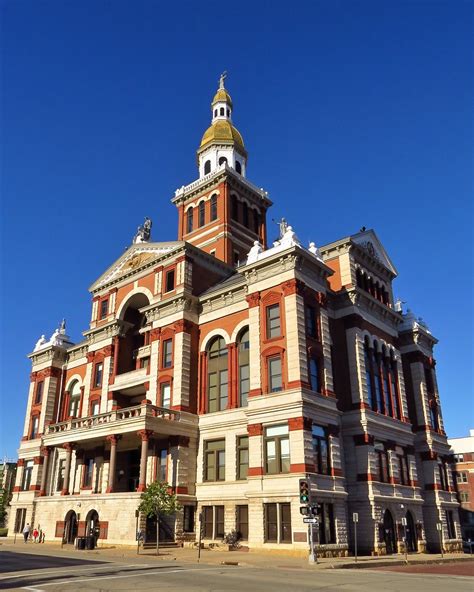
120 421
130 380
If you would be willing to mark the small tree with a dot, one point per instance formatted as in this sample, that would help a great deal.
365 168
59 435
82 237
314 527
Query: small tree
158 501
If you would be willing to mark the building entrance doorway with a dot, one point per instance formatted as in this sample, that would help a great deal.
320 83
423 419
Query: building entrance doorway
389 533
166 529
411 542
70 527
92 524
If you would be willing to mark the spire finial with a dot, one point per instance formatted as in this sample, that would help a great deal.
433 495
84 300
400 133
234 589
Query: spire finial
222 78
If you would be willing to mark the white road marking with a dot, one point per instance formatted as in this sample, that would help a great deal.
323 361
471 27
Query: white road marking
69 569
134 575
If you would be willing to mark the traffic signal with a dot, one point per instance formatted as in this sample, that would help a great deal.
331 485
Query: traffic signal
304 491
304 510
313 510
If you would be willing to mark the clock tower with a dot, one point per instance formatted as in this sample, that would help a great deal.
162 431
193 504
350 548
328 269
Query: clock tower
222 212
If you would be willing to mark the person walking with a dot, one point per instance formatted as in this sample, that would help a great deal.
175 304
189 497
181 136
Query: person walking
26 531
35 535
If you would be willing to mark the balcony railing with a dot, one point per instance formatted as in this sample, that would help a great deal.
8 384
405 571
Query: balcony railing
117 416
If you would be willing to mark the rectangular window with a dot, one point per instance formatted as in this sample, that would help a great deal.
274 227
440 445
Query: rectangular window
188 518
277 523
311 324
87 474
219 513
39 393
27 473
99 369
162 465
463 497
461 477
20 519
208 522
275 378
450 524
327 534
321 450
169 282
273 321
202 213
214 460
167 353
214 207
218 391
61 468
104 309
34 426
243 522
403 471
382 462
242 457
95 407
165 394
244 384
277 450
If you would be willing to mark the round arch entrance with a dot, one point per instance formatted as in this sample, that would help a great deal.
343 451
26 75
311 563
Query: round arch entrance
412 543
389 533
93 524
70 527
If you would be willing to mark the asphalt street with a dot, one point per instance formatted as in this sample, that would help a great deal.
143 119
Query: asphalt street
53 573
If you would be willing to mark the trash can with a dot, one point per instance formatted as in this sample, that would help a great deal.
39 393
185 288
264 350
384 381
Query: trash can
90 542
80 543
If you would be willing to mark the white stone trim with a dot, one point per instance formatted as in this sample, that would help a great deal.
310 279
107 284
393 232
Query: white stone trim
215 332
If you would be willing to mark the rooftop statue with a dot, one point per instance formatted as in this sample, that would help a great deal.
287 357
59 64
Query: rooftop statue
143 232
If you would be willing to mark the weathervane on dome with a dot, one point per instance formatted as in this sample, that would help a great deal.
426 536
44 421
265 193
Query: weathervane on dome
223 76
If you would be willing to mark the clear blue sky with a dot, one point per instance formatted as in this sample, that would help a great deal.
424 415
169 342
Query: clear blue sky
353 113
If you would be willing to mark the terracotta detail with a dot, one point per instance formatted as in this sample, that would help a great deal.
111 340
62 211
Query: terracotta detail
255 471
21 462
253 299
145 435
255 429
255 392
299 423
38 460
302 468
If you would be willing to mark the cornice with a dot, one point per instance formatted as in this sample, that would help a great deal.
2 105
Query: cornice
362 301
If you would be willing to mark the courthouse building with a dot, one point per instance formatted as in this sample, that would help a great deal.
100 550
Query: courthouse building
232 368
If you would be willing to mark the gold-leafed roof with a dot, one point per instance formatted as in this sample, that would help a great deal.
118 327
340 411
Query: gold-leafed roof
222 131
222 95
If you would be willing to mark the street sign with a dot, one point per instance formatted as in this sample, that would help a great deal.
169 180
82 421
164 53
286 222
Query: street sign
355 517
310 520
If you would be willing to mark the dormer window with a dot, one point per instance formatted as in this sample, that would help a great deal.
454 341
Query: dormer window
222 160
207 167
222 111
238 167
215 112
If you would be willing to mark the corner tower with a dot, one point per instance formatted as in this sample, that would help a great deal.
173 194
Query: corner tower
222 212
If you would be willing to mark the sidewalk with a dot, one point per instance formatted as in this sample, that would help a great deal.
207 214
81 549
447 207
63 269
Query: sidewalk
247 559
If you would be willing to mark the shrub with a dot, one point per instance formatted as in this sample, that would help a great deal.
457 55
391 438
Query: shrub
3 532
232 538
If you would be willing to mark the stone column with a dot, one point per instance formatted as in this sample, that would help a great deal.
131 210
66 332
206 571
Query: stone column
113 458
67 469
145 436
45 451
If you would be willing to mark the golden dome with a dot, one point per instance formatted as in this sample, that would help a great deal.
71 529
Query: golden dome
222 95
222 132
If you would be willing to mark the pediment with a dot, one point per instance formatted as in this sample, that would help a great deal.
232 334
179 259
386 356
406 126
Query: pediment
370 242
134 258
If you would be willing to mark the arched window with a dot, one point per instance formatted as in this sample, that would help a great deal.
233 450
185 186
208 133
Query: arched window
222 160
368 373
244 367
394 386
207 167
213 207
217 375
256 222
434 415
75 399
202 213
377 378
189 224
245 214
359 278
238 167
228 112
215 112
235 208
385 384
222 111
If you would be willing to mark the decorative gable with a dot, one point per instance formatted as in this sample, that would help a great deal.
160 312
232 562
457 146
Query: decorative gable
369 241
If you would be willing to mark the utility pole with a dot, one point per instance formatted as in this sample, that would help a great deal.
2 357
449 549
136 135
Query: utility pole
200 536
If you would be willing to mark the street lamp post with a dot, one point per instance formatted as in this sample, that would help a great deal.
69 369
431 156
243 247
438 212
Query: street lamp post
439 528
